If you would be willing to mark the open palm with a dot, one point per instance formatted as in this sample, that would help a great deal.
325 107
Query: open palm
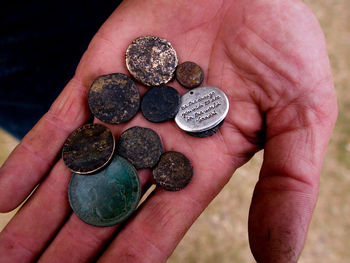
269 57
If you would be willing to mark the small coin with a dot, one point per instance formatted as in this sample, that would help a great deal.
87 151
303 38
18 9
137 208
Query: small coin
114 98
88 148
107 197
201 109
142 147
173 172
160 104
189 74
151 60
207 133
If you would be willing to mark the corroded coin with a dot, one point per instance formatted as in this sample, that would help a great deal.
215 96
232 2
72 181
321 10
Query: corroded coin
207 133
107 197
142 147
160 104
173 172
201 109
151 60
189 74
88 148
114 98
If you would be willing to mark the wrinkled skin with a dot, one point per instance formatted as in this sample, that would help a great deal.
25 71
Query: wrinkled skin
271 60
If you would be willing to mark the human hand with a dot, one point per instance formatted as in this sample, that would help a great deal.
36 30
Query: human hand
269 57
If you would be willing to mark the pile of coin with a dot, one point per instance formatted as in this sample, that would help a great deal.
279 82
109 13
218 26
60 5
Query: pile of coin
105 189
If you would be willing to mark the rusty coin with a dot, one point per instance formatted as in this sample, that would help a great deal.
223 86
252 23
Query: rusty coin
108 197
114 98
142 147
160 104
189 74
173 171
151 60
88 148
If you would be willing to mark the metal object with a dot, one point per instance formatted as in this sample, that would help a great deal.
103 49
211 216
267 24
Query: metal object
201 109
173 172
142 147
189 74
160 104
114 98
151 60
108 197
207 133
88 148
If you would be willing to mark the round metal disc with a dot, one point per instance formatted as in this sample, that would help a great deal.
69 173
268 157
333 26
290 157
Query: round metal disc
207 133
108 197
189 74
151 60
88 148
201 109
114 98
142 147
173 172
160 104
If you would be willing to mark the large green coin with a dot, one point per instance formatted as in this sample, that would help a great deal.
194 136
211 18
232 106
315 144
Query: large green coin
107 197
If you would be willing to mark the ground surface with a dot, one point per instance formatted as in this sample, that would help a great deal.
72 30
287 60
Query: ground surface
220 233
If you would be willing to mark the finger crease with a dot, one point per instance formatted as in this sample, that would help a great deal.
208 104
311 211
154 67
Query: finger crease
37 155
149 242
14 243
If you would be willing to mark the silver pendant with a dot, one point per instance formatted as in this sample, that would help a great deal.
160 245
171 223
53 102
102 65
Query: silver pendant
202 109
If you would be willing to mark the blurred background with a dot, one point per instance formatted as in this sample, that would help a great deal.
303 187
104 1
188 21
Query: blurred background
220 233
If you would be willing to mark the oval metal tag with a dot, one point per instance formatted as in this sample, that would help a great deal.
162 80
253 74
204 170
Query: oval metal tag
201 109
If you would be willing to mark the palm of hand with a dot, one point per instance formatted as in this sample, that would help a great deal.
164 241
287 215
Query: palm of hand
269 58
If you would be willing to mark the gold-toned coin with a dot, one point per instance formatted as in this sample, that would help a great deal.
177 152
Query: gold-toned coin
151 60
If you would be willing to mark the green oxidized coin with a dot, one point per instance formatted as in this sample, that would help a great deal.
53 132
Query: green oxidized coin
107 197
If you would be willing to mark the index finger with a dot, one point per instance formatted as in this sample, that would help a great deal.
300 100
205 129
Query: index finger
38 150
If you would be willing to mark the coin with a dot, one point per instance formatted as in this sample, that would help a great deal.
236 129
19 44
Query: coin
142 147
173 172
88 148
201 109
107 197
151 60
160 104
114 98
207 133
189 74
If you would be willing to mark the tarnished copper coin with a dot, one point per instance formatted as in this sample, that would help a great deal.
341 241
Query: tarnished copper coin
142 147
160 104
108 197
114 98
151 60
88 148
173 171
189 74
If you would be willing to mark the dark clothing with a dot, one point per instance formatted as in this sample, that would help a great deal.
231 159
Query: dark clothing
41 43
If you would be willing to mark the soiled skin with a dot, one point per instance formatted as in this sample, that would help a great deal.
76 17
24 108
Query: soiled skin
271 60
